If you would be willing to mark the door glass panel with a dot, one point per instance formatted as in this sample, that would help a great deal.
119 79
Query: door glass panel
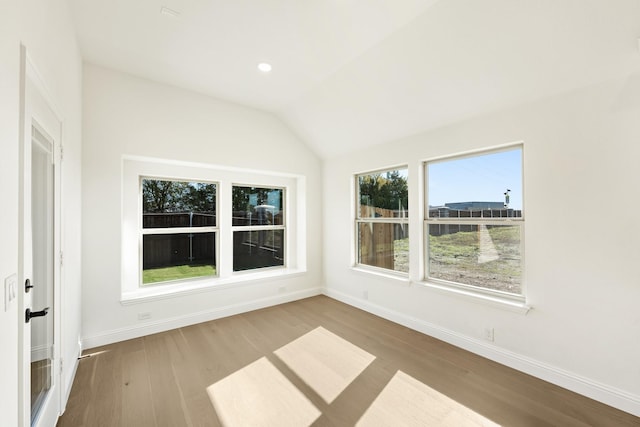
42 252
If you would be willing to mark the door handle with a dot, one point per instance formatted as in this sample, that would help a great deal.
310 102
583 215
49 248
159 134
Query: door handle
28 314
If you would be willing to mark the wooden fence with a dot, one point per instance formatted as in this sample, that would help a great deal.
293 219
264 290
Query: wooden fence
178 219
377 240
165 250
439 229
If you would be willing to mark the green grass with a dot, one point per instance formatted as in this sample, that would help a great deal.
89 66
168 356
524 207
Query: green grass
401 255
450 247
156 275
401 245
455 257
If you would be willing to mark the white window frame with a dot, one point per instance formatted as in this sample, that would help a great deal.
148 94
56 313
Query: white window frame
510 221
176 230
239 228
363 220
134 168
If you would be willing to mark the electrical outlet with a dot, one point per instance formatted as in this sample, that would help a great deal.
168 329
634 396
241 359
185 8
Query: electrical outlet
144 316
488 334
365 295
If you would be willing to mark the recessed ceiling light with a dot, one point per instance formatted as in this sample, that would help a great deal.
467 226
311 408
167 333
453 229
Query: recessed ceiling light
169 12
264 67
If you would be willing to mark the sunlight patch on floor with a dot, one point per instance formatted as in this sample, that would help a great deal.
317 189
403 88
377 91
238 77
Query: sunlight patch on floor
406 401
325 362
260 395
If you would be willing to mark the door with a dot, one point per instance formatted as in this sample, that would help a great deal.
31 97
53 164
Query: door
39 255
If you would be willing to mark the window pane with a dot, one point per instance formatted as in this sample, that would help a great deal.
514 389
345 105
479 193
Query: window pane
258 249
482 186
487 256
257 206
384 245
383 194
178 204
177 256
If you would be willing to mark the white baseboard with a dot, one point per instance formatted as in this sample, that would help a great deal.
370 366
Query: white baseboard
601 392
137 331
40 352
66 392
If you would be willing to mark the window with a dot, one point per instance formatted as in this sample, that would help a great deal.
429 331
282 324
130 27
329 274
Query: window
178 230
382 220
474 222
258 227
187 227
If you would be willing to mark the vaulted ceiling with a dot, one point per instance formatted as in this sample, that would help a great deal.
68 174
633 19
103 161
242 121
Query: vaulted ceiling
349 74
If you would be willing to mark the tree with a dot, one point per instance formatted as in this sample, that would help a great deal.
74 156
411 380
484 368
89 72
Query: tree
159 196
386 192
398 191
241 197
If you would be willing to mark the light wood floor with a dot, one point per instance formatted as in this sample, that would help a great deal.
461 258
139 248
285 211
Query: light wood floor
161 379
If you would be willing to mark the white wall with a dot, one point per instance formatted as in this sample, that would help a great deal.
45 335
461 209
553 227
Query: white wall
125 115
45 28
581 241
9 63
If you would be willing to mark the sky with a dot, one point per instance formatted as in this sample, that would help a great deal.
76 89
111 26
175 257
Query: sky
483 178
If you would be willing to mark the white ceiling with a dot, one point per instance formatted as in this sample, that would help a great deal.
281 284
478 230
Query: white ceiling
349 74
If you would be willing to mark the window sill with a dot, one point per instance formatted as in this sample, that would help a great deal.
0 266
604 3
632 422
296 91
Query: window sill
379 272
495 301
159 292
